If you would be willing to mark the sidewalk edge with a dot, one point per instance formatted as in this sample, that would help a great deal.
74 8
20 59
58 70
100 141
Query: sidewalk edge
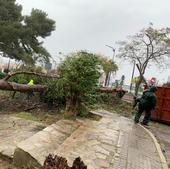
158 148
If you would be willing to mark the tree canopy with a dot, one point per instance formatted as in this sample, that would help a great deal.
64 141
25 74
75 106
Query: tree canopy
20 35
149 46
78 77
108 67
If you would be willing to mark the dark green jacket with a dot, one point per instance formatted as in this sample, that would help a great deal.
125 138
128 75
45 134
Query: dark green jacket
148 99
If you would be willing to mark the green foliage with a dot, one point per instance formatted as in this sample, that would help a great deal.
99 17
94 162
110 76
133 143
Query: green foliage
19 35
39 24
2 75
79 74
54 93
24 78
108 65
108 98
78 77
82 110
120 94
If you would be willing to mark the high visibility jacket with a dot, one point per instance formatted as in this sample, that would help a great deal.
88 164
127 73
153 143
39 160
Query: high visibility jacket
31 82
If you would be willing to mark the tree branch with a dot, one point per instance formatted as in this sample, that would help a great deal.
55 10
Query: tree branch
28 73
141 74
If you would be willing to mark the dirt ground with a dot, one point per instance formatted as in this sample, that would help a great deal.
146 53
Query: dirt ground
20 103
19 107
32 109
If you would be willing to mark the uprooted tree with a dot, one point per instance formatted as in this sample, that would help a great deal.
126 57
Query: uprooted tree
76 82
20 35
5 84
78 76
148 46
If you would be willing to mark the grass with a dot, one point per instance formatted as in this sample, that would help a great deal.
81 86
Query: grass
90 116
43 117
120 107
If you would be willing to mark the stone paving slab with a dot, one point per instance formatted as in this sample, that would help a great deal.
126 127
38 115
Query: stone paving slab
14 130
114 142
95 142
32 152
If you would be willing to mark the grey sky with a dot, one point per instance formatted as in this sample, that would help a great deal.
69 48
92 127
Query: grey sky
90 24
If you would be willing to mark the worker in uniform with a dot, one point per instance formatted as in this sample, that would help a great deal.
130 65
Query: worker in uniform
30 93
146 104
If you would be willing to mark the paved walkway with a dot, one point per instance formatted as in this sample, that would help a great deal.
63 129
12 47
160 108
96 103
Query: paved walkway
162 133
14 130
114 142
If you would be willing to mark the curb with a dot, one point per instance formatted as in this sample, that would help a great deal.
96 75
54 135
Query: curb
158 148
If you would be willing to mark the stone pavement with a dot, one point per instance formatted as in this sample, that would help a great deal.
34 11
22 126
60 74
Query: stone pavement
114 142
162 133
14 130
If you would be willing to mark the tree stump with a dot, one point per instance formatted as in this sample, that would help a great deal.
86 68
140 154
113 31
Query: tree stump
57 162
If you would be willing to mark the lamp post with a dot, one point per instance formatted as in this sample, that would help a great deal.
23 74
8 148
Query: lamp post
113 49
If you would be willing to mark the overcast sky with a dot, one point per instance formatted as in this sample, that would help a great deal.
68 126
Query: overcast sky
91 24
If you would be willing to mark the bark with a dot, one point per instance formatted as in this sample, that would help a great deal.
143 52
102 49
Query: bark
141 78
71 106
11 86
106 79
16 87
138 85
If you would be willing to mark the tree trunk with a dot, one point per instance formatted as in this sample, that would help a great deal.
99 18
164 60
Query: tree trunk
71 106
138 83
106 79
11 86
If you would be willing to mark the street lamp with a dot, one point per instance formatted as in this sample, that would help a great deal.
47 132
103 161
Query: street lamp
113 49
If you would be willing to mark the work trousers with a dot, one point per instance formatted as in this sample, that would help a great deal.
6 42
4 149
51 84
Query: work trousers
146 117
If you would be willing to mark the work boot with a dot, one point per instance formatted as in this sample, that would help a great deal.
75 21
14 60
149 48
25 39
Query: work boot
136 122
144 124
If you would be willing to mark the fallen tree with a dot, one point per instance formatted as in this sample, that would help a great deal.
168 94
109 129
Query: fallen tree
12 86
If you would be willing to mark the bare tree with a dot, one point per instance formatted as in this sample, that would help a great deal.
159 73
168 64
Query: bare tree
149 46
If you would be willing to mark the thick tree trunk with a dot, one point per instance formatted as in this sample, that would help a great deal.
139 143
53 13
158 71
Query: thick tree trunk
11 86
71 106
